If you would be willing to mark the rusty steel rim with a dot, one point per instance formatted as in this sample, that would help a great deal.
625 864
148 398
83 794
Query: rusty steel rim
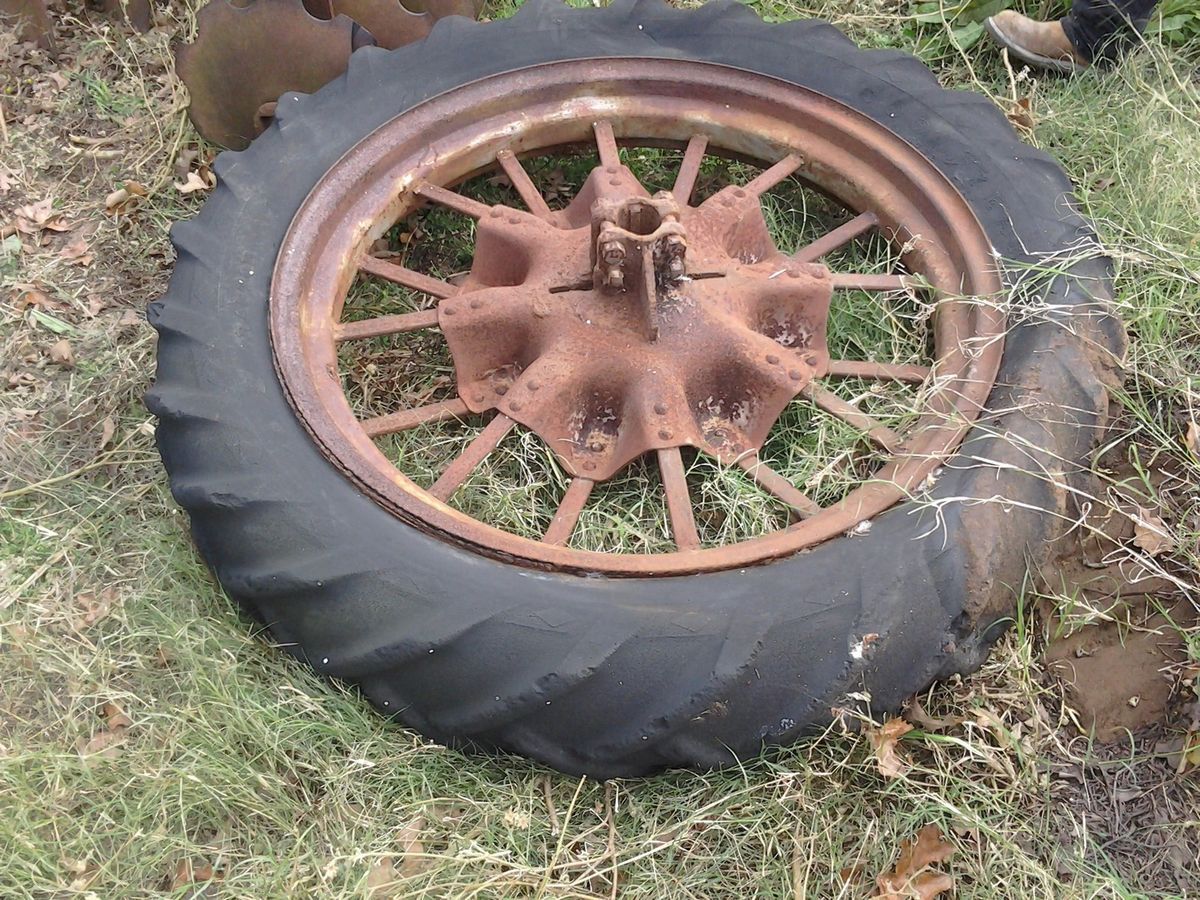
668 285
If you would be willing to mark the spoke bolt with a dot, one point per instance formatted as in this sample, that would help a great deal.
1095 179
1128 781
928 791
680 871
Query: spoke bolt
497 212
660 408
514 220
795 374
502 390
665 435
812 360
772 358
533 385
515 405
480 396
475 304
448 310
793 273
589 465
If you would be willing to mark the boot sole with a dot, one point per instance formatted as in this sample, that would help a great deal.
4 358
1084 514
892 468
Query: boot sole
1065 66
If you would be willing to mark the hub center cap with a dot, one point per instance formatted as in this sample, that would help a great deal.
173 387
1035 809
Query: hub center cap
627 323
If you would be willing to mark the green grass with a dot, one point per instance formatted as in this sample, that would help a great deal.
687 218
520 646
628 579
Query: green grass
240 759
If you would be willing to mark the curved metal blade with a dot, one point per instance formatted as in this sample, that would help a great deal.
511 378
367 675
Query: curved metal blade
245 57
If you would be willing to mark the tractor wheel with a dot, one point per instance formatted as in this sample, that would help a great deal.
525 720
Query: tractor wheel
633 387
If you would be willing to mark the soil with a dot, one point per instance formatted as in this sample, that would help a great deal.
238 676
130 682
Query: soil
1120 678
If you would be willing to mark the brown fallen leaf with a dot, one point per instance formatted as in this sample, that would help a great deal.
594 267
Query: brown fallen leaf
94 606
1192 441
187 872
196 181
911 877
1103 183
382 878
1020 113
77 253
125 199
1150 533
35 218
61 353
914 712
884 740
412 850
114 716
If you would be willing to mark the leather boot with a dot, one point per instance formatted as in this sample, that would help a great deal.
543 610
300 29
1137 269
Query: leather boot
1041 44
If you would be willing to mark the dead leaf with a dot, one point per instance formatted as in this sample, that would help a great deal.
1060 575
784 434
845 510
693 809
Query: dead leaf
1103 183
911 878
37 299
1193 439
83 872
6 182
884 740
412 850
125 199
38 217
915 713
94 606
1020 113
114 716
1150 533
77 253
196 181
62 354
382 878
108 428
186 872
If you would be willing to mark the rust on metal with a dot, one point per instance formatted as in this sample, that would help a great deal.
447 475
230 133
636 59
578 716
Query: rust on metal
412 418
567 514
628 323
246 55
598 339
390 23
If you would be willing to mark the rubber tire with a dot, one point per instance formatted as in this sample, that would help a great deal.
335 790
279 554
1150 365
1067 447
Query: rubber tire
620 677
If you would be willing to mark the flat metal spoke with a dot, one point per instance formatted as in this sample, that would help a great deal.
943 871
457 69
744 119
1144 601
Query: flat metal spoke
451 200
853 416
689 168
381 325
468 461
853 368
523 184
839 237
778 486
562 526
679 501
855 281
411 418
606 144
772 176
401 275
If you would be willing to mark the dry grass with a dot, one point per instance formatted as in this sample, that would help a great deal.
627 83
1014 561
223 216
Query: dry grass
236 759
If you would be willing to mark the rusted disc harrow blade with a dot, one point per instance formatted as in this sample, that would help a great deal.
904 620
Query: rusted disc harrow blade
245 56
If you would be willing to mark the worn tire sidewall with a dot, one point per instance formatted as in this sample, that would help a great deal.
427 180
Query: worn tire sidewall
597 675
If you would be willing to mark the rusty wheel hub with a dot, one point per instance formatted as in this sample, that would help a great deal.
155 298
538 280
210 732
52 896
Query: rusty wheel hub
627 323
632 323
